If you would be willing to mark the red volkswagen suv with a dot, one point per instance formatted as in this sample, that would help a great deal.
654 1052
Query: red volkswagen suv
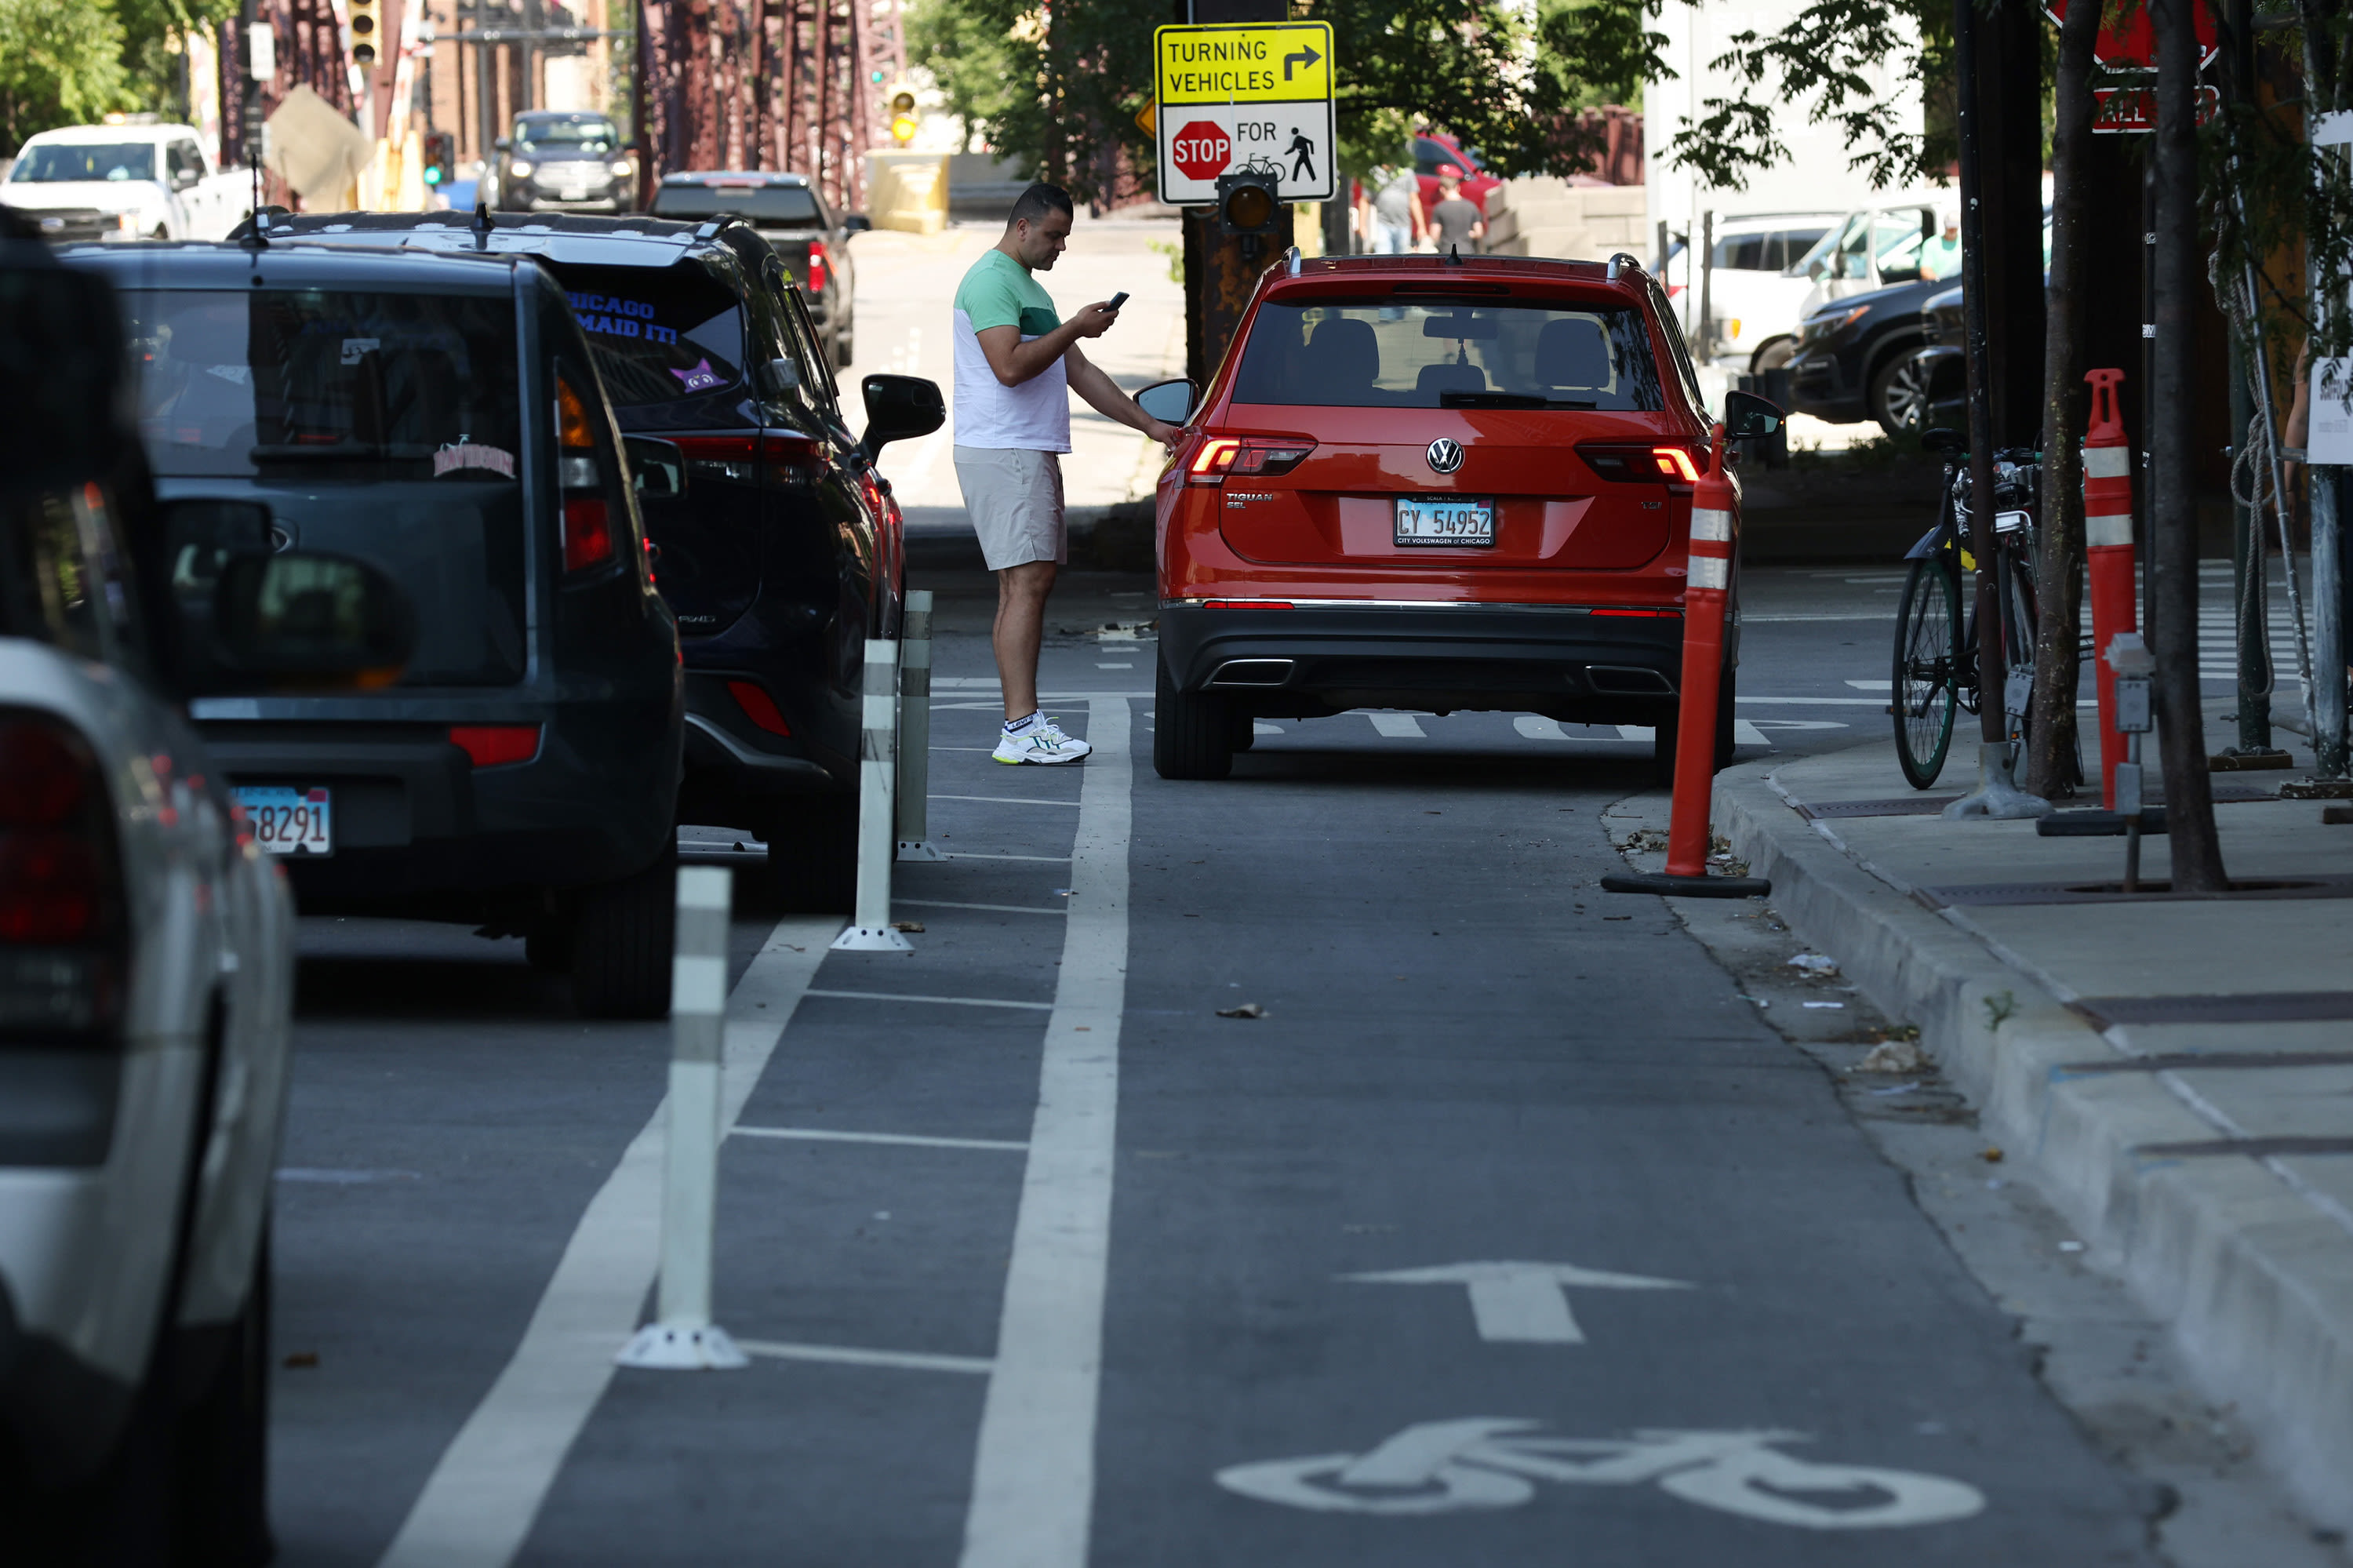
1417 483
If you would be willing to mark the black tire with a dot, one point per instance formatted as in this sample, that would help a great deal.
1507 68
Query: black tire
621 950
223 1444
813 854
1899 396
1925 691
1242 728
843 351
1774 356
1192 734
549 941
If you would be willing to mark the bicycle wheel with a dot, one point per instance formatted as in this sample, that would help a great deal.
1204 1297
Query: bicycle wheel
1927 649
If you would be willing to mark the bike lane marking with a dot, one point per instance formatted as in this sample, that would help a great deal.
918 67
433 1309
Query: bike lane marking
1034 1465
1520 1303
478 1506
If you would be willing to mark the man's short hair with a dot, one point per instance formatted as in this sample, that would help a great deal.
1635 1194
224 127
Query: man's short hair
1039 200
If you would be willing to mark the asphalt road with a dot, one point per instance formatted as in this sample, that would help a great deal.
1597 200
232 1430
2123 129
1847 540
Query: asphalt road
1043 1262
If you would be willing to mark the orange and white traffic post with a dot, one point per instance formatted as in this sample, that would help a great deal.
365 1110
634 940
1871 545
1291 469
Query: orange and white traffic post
2108 555
1707 591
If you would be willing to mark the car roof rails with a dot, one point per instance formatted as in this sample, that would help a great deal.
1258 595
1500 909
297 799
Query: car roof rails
1622 259
1290 262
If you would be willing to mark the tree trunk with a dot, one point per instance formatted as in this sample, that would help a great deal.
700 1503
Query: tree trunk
2059 568
2181 729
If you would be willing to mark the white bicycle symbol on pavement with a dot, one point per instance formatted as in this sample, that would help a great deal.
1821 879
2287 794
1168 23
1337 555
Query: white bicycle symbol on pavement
1442 1467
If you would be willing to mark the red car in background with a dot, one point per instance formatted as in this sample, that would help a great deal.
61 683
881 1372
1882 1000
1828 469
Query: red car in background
1434 152
1426 484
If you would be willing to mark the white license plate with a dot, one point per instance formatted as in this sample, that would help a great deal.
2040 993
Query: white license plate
1429 520
288 822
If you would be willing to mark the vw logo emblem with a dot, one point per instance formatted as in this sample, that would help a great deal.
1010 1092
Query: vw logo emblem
1445 456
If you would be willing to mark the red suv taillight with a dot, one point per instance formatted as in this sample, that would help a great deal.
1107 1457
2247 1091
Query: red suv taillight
496 744
1639 463
759 707
1258 457
63 943
587 521
817 267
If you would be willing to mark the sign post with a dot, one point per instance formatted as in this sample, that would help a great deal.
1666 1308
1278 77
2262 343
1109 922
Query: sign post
1245 96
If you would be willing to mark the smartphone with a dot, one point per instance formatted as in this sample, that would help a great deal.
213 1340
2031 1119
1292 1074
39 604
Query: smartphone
1116 300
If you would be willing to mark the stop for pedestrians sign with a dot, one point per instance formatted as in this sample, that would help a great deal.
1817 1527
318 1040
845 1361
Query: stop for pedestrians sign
1202 150
1245 96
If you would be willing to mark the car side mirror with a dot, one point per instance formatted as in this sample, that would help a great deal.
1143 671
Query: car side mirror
299 619
1747 417
1815 268
1945 442
656 467
1170 402
856 223
899 409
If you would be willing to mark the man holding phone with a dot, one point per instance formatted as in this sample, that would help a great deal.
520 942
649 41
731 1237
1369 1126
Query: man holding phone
1016 363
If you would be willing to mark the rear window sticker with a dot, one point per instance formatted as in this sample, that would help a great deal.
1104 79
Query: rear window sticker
354 349
617 317
462 453
701 376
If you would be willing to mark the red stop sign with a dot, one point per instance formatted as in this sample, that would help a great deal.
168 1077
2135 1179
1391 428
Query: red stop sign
1202 150
2130 41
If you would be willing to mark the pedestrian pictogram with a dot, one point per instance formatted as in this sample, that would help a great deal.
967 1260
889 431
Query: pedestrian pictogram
1245 98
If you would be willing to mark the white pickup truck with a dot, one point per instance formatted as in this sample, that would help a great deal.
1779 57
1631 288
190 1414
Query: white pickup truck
124 182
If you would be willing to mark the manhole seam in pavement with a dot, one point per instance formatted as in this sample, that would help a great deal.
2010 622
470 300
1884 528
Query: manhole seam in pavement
2255 1147
2243 1006
2154 892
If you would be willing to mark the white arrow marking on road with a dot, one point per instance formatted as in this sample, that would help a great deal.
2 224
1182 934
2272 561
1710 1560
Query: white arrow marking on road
1522 1303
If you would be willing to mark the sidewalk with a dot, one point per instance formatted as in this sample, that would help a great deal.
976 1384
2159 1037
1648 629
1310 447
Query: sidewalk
2175 1074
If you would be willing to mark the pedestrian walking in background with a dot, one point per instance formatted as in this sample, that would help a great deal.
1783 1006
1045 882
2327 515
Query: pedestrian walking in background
1398 222
1456 222
1016 363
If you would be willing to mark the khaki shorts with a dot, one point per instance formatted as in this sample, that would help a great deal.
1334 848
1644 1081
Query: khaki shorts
1015 498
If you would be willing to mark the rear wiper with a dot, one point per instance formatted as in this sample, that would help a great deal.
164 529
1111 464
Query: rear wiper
1506 400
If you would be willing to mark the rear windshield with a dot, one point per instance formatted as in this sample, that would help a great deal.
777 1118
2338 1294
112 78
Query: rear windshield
658 336
1436 353
767 206
583 136
336 386
55 161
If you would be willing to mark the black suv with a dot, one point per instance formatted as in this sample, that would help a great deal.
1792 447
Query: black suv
442 419
1854 357
557 161
773 538
808 237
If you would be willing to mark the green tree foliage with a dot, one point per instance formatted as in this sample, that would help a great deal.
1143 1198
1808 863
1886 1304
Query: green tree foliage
59 65
1059 87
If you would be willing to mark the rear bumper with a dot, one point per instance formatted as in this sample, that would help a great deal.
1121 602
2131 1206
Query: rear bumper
1568 663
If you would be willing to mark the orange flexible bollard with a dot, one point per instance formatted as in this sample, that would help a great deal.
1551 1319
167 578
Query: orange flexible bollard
2108 552
1706 591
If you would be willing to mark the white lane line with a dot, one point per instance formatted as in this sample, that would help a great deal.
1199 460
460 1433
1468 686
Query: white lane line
1746 734
1539 728
844 1355
1397 726
938 1001
1005 799
1259 726
478 1506
910 1139
1001 908
1034 1470
1872 686
1641 732
1816 702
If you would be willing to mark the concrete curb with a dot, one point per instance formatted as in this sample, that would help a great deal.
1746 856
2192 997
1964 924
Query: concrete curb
2253 1275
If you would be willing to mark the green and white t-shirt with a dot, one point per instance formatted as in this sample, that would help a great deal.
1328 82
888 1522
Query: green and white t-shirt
1033 416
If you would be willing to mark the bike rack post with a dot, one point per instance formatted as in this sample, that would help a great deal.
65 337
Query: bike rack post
2108 558
1706 589
869 925
915 730
682 1338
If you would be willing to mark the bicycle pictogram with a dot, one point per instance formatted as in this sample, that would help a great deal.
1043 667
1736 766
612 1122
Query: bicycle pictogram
1482 1462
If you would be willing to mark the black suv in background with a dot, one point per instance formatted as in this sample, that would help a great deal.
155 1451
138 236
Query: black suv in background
1854 357
808 237
773 538
563 162
442 420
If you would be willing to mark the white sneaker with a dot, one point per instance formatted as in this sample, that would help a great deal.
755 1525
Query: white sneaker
1044 744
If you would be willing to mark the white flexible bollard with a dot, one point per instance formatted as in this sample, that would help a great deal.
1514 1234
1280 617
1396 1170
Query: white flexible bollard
869 925
682 1338
915 730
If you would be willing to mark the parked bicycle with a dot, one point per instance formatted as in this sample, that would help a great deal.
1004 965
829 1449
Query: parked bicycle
1936 626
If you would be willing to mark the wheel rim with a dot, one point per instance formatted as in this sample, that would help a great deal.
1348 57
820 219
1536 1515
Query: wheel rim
1906 397
1925 684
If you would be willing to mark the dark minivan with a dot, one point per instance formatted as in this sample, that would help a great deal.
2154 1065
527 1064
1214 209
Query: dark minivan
441 418
775 539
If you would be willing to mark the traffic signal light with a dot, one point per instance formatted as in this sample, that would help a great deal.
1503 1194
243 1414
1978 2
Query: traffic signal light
1248 206
441 157
363 39
904 124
